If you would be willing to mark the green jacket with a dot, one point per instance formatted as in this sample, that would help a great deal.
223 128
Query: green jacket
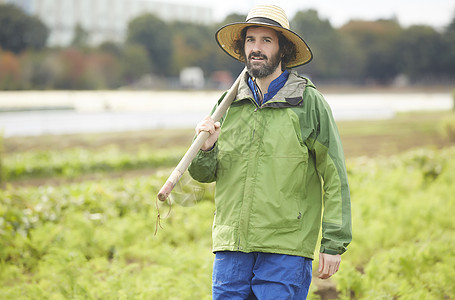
278 169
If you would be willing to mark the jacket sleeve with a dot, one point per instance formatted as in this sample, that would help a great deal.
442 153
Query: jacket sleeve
330 164
204 165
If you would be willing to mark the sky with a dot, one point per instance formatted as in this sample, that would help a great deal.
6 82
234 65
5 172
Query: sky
436 13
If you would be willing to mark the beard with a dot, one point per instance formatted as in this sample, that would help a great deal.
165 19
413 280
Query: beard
263 68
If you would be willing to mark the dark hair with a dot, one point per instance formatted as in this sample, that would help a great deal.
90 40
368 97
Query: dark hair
287 48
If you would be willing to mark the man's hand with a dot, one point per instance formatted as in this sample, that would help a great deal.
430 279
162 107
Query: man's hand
211 127
328 265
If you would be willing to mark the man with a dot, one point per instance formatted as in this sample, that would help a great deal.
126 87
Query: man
279 168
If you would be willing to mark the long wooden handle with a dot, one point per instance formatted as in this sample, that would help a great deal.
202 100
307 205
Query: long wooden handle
199 141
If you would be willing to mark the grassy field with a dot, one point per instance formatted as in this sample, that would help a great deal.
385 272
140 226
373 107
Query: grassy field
370 138
78 216
165 147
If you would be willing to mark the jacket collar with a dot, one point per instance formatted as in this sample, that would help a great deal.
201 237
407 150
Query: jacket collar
291 93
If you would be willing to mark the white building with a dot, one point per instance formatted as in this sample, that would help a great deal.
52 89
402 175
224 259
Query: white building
104 19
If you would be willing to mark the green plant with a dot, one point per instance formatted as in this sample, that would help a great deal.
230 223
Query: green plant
453 99
75 162
447 127
95 239
403 228
1 157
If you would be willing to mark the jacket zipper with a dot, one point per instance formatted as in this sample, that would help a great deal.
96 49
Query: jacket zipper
255 110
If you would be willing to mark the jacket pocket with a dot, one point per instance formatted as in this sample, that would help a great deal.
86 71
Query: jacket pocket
278 196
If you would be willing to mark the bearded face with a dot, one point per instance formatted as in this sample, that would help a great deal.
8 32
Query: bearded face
260 65
262 51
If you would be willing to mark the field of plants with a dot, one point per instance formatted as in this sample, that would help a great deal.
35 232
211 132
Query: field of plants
78 216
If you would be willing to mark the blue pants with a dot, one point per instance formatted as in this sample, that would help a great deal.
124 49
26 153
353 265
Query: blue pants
238 275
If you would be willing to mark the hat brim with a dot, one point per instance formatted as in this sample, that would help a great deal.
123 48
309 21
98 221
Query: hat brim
227 34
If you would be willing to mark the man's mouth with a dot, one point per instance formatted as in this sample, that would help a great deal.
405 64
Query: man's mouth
257 57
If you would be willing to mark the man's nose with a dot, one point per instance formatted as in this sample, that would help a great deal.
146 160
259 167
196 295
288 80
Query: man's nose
256 47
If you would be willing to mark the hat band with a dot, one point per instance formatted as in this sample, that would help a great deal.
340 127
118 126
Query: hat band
264 21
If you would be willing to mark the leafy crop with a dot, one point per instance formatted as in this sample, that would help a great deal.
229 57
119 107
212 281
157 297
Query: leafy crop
95 239
404 228
78 161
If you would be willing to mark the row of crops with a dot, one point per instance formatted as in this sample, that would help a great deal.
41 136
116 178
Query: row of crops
94 239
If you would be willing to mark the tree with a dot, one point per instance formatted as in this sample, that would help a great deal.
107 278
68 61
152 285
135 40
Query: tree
10 71
155 35
135 63
232 18
193 45
81 37
19 31
421 52
112 48
375 44
449 54
323 40
221 60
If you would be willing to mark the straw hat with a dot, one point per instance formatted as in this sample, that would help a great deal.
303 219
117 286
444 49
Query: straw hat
268 16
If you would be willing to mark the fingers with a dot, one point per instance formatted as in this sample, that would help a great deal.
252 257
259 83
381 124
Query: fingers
328 265
207 125
211 127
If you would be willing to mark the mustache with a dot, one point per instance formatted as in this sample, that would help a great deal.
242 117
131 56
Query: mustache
257 54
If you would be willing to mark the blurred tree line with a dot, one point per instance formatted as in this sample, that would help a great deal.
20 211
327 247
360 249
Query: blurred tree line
359 52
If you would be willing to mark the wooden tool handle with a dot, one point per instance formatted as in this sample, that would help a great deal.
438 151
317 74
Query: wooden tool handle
199 141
